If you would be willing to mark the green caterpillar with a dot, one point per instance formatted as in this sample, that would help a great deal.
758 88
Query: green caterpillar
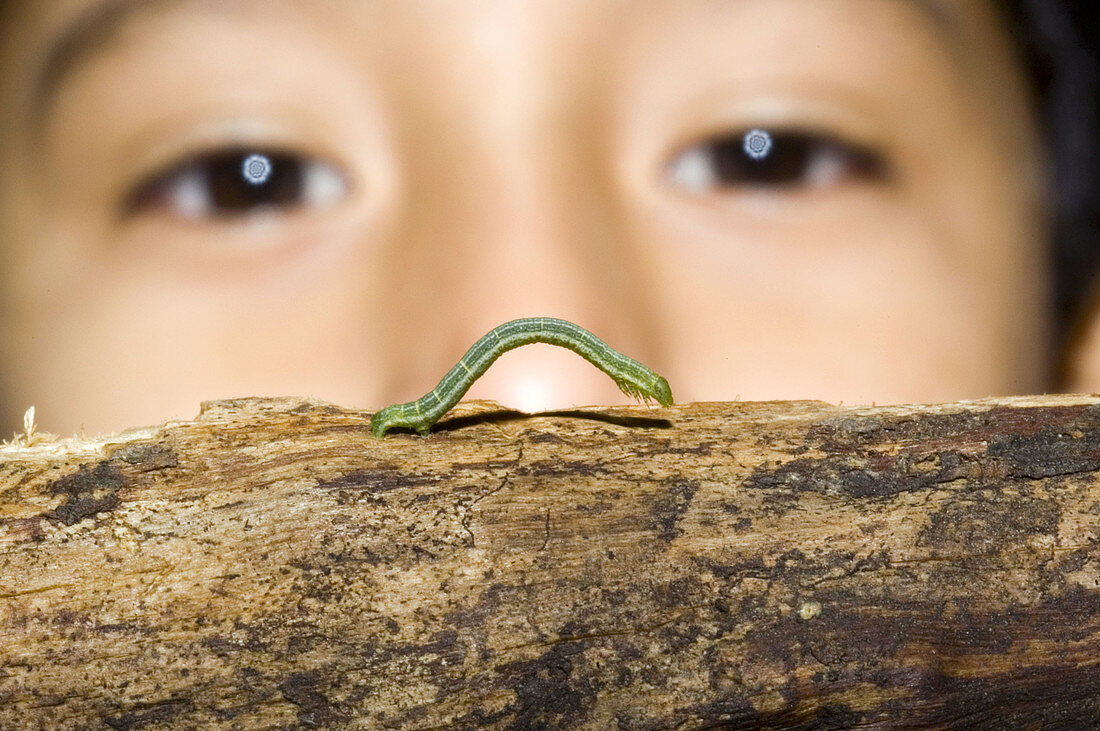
629 375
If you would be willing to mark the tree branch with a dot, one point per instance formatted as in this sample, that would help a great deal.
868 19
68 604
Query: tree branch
781 564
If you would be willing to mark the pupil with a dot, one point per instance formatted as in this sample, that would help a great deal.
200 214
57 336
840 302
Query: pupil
240 181
758 159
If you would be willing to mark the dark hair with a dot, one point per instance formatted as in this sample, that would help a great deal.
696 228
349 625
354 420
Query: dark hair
1057 41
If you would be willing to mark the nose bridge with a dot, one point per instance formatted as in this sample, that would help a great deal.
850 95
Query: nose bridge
483 240
521 245
503 219
492 187
513 199
506 234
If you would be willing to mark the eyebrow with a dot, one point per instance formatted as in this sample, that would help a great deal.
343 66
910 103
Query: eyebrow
100 25
89 34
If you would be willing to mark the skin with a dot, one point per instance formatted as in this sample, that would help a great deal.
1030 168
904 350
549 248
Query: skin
501 159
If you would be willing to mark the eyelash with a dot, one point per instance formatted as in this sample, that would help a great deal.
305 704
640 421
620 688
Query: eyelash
234 182
793 159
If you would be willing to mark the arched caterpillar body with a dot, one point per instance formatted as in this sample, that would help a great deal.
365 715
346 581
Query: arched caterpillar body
632 377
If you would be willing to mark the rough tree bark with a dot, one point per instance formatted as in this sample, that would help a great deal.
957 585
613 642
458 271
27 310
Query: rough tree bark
742 565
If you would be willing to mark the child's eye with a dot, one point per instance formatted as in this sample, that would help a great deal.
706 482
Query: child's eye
238 182
757 158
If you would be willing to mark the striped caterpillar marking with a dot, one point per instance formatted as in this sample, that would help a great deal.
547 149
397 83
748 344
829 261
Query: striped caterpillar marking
629 375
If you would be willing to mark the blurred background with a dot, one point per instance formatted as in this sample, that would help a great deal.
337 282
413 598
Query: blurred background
861 201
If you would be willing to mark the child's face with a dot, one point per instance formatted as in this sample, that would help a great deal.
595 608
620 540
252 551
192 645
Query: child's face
436 168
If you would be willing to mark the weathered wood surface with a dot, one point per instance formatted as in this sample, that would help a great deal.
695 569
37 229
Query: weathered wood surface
743 565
